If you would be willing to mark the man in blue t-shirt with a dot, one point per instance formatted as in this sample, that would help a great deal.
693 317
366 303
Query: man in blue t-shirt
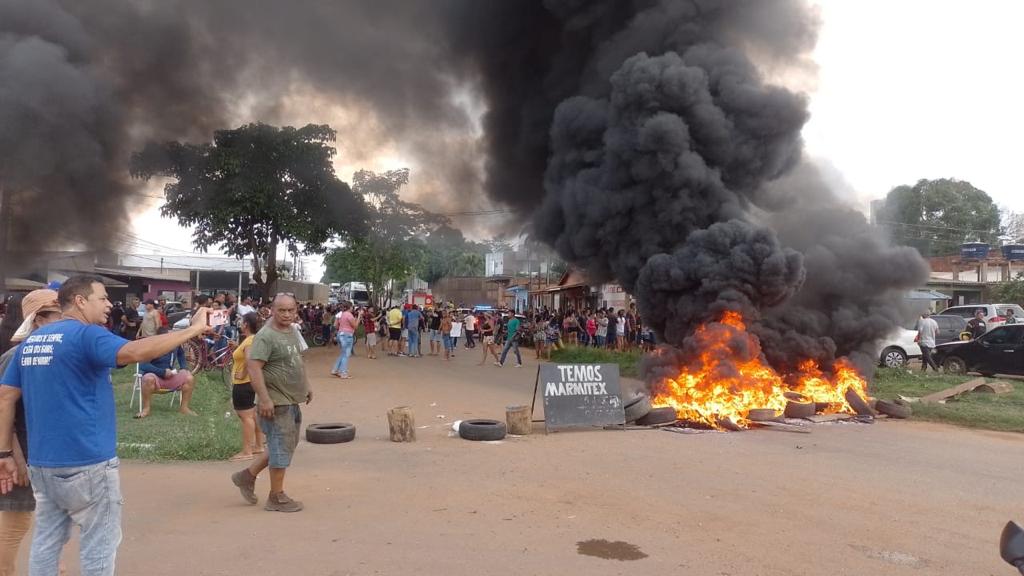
412 325
62 374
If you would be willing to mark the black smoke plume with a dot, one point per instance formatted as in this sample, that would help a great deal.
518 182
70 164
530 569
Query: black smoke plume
642 138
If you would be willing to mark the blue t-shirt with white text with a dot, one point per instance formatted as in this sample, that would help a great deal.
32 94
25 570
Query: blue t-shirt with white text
63 371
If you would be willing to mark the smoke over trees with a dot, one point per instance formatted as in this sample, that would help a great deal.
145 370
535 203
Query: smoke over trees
637 136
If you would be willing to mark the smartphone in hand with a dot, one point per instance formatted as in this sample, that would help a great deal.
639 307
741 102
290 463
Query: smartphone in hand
217 318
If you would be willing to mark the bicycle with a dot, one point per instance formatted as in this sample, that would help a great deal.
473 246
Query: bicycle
201 355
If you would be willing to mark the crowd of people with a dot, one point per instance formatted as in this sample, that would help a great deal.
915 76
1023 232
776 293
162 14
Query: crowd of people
412 331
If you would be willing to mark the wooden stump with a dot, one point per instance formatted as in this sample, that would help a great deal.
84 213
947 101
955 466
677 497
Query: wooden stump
517 420
401 424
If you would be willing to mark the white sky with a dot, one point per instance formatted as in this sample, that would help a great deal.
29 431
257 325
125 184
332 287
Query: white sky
906 89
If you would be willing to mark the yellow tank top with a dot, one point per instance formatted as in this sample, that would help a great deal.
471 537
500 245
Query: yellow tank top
239 373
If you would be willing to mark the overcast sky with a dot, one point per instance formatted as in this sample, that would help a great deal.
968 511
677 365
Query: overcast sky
905 89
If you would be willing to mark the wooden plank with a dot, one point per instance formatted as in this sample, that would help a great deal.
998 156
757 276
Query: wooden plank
954 391
997 387
782 427
819 418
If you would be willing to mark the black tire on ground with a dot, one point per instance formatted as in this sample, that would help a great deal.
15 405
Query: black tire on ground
637 407
482 430
892 409
330 433
663 415
954 365
318 339
893 357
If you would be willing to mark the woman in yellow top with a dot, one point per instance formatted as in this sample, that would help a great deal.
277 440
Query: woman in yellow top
243 397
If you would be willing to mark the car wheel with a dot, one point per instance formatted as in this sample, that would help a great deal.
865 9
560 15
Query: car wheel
330 433
482 429
954 365
893 358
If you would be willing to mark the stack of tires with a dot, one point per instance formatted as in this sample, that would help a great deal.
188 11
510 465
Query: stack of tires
639 411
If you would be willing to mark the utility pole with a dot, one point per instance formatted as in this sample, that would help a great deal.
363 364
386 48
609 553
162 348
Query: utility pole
3 241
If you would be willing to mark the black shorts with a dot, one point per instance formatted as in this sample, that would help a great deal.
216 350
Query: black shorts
395 334
243 397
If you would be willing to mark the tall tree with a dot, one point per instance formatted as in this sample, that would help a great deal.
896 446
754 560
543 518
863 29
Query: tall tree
938 215
390 250
448 253
254 189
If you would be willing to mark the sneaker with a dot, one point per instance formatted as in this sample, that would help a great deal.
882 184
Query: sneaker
246 485
519 365
280 502
498 364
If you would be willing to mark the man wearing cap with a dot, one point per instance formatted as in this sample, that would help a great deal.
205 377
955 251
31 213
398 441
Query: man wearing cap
40 308
150 320
62 374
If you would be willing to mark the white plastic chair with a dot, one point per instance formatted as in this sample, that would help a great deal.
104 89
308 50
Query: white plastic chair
137 390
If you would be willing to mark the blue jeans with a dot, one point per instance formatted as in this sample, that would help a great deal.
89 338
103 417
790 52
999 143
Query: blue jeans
414 342
511 342
87 496
345 342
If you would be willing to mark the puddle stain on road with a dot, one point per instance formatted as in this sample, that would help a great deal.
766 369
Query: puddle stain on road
617 550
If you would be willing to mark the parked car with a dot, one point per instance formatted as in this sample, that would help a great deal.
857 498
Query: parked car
998 351
951 328
899 348
175 311
995 314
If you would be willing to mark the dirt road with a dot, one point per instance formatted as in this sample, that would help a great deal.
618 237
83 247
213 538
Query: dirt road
890 498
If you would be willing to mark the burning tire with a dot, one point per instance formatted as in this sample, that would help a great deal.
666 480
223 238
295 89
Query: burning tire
892 409
482 430
762 415
664 415
799 409
637 407
330 433
954 365
893 357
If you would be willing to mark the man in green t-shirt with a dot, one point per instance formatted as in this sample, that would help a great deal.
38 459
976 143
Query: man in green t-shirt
511 341
279 379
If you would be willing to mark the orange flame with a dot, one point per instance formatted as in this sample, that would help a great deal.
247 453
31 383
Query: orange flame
730 378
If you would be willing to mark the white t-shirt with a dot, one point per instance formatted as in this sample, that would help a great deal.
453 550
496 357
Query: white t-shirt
620 327
243 309
470 322
927 328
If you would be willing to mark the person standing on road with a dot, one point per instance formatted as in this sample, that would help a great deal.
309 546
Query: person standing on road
977 326
469 322
446 337
412 324
394 331
927 329
243 397
346 324
511 342
487 339
370 328
62 374
279 379
150 320
434 331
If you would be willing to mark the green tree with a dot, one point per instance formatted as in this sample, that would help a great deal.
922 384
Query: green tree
390 250
254 189
936 216
1011 292
446 252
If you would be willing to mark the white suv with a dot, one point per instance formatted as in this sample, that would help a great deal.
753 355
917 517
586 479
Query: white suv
899 348
995 314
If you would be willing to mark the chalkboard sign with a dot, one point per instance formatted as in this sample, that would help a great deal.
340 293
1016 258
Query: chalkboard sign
580 395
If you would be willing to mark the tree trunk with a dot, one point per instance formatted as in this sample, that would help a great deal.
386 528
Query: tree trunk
401 424
517 420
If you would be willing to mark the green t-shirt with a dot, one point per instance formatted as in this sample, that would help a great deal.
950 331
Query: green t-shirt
283 371
513 326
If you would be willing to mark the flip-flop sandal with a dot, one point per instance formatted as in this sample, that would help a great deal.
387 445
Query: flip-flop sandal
240 458
140 416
